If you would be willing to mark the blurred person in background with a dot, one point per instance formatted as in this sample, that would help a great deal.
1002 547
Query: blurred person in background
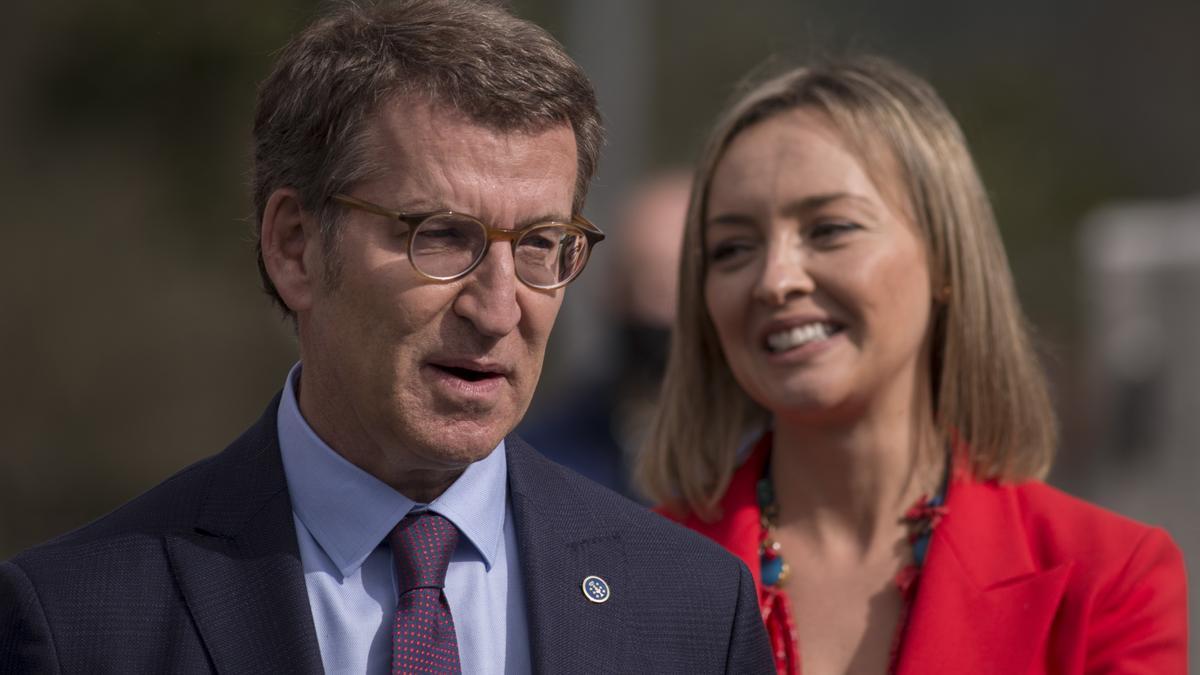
420 170
853 406
598 427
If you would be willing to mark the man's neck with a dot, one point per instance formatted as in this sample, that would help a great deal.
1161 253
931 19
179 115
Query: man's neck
420 484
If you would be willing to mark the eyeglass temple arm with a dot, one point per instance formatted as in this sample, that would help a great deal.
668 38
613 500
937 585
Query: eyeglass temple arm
347 200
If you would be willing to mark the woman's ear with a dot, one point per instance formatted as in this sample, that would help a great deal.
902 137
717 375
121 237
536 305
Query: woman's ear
942 295
290 237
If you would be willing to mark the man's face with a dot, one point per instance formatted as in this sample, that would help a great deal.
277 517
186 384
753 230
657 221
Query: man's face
431 375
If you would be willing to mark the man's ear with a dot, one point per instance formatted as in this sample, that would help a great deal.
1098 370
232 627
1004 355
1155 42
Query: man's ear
291 248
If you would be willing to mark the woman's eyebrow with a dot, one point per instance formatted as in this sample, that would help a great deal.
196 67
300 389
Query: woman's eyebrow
732 219
798 207
814 202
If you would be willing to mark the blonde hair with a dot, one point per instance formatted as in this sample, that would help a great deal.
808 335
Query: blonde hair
990 396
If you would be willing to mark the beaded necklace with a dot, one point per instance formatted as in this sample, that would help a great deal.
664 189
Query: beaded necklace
774 568
921 518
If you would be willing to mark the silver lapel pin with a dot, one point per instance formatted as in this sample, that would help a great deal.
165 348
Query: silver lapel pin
596 589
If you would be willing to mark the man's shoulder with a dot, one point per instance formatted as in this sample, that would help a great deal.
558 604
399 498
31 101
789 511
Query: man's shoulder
643 532
112 564
173 505
169 506
679 602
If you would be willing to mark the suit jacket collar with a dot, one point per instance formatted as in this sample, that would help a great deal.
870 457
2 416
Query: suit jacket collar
983 605
239 569
240 573
563 541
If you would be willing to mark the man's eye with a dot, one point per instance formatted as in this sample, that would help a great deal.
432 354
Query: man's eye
540 241
446 237
442 234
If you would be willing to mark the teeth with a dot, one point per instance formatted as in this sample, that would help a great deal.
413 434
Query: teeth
800 335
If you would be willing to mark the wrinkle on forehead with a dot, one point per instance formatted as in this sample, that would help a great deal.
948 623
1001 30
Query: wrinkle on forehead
437 158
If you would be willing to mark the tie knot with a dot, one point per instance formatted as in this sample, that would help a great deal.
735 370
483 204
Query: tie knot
422 544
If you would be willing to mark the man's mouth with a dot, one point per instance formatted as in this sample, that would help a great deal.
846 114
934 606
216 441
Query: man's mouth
468 374
470 369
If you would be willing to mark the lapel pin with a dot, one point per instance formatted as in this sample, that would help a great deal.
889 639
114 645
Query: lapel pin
596 589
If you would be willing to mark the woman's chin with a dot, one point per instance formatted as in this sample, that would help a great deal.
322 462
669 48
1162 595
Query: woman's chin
807 407
802 394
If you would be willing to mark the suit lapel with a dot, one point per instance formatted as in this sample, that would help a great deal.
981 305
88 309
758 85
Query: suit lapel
561 543
240 570
983 605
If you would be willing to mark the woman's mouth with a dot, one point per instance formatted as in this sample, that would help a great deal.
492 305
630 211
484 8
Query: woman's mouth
798 336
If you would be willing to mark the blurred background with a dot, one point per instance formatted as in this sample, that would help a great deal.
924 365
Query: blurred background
137 339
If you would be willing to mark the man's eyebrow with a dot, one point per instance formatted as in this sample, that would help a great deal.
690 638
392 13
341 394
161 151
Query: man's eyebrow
537 220
427 207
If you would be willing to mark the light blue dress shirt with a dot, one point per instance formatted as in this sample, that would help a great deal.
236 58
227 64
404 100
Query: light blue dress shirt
343 516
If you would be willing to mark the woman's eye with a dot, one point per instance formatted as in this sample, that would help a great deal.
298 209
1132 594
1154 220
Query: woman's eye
727 250
828 231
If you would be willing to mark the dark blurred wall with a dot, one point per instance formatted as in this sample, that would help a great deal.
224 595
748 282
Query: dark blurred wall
134 334
137 339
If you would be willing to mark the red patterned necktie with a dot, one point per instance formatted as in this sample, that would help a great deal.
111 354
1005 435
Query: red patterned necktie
423 639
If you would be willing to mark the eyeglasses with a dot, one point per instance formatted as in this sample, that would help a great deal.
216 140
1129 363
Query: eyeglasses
444 245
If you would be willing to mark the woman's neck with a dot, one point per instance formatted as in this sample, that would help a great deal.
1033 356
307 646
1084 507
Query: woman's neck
844 487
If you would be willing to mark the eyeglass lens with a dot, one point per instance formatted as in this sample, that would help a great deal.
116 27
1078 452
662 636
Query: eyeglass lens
444 246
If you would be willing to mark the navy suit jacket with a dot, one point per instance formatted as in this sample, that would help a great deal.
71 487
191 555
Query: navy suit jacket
202 574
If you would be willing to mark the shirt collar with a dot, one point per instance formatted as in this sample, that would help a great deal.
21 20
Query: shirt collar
349 512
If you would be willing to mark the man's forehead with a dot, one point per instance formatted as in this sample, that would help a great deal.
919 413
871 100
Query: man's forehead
411 123
434 157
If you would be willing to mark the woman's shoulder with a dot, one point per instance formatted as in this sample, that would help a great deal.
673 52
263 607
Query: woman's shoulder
1123 600
1060 528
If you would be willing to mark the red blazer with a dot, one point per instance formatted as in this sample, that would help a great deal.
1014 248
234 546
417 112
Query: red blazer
1020 579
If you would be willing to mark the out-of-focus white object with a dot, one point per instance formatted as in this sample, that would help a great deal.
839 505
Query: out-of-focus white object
1142 285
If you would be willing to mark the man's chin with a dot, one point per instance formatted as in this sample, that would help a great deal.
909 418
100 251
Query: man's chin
462 442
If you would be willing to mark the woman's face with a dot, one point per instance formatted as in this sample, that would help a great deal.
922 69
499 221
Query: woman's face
817 281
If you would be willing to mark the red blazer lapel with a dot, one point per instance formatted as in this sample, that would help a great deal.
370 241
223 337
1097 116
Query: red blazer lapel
983 605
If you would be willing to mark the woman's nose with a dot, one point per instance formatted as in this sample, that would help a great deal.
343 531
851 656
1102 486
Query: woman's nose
785 273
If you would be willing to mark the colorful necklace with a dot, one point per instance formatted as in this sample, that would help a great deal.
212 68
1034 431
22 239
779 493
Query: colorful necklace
773 567
921 518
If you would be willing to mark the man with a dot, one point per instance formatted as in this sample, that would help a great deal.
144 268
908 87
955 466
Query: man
419 172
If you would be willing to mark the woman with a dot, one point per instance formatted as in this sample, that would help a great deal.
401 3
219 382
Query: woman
853 407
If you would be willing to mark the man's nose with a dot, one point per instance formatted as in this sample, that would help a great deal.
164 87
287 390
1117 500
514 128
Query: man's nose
785 273
489 295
